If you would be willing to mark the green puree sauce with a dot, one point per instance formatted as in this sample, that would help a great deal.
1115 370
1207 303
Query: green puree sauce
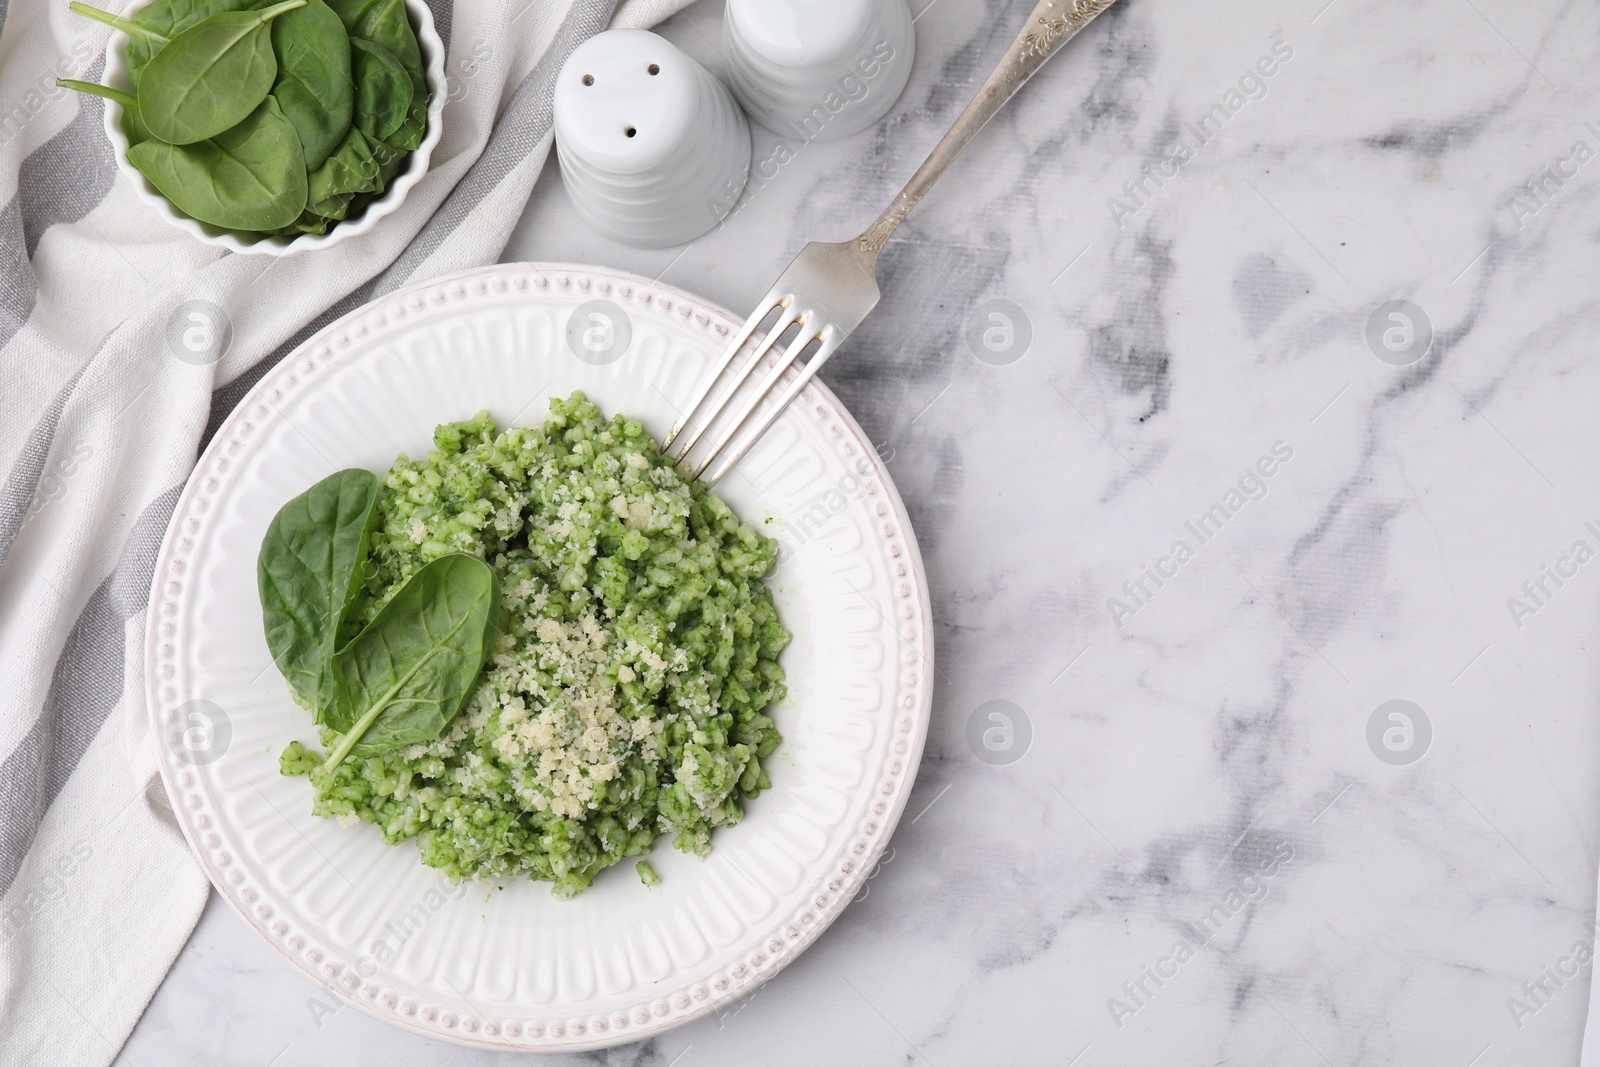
638 653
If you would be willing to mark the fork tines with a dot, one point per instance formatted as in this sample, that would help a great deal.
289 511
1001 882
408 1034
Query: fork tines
789 315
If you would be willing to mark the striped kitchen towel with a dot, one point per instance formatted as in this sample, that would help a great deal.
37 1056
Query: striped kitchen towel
100 424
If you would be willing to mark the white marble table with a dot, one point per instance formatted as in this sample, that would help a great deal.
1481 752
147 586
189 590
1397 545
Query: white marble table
1199 856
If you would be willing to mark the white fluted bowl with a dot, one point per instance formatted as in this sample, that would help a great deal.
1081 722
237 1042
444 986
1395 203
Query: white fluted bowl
394 193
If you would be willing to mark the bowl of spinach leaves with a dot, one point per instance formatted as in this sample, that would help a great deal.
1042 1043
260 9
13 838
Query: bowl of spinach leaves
272 126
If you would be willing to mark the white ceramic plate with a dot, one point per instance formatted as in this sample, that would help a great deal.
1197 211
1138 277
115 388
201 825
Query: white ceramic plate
514 968
393 196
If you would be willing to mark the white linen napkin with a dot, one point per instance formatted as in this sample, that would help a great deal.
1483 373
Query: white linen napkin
100 424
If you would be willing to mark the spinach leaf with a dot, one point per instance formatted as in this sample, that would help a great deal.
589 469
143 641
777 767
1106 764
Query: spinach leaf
251 177
315 86
384 22
383 89
308 222
350 170
404 677
307 573
170 18
211 76
311 222
391 161
408 135
329 209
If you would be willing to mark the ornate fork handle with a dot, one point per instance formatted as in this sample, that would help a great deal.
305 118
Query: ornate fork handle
1052 24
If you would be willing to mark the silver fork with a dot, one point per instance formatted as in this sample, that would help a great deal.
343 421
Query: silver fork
829 288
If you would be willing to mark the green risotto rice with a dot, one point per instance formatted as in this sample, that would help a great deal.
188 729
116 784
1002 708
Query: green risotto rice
638 652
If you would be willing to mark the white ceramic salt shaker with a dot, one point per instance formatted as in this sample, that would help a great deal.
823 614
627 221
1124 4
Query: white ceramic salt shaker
817 70
654 151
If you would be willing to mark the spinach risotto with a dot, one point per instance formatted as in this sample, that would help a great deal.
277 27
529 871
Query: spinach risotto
624 686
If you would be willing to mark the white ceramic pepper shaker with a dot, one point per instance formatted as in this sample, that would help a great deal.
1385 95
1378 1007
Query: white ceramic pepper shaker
653 149
816 70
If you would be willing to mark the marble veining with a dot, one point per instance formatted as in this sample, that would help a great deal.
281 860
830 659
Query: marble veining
1199 831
